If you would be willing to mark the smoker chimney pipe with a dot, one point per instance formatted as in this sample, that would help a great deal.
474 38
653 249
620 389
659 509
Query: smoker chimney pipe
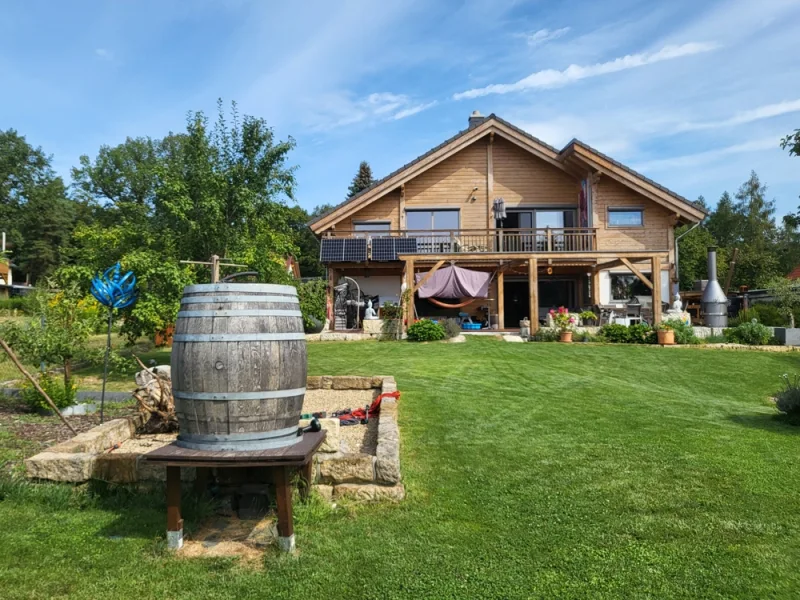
712 263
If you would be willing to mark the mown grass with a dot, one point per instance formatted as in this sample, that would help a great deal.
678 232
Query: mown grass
532 470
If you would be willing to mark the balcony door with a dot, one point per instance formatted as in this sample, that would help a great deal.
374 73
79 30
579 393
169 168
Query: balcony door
536 220
433 228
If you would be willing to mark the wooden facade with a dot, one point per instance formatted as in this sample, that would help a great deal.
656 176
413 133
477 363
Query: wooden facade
494 160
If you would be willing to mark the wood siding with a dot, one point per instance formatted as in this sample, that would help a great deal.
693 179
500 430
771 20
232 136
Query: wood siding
523 179
653 236
385 209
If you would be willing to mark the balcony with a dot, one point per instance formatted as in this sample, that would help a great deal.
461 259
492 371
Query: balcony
385 246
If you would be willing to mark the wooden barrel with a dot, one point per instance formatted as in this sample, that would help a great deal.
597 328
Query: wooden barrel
238 366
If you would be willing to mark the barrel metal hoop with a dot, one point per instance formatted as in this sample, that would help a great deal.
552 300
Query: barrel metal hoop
239 437
240 313
239 395
233 446
218 299
269 288
237 337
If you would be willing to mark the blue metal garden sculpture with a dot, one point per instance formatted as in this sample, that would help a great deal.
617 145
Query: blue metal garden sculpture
114 290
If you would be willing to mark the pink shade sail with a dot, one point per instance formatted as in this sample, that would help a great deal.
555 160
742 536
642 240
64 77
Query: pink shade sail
455 282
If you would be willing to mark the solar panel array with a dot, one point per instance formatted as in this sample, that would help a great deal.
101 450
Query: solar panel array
343 250
386 249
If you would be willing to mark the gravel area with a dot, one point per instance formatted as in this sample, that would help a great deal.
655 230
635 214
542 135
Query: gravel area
355 438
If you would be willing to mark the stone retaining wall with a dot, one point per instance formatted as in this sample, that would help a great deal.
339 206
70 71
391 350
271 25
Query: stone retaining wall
108 452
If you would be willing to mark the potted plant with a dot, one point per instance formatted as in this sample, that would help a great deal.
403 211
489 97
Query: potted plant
587 317
563 322
666 334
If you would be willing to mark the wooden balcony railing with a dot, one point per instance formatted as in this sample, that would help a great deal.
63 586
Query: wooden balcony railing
381 244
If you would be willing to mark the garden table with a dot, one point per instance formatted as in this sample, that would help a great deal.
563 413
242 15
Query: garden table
280 461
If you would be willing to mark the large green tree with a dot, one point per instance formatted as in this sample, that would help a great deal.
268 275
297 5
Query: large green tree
362 180
34 209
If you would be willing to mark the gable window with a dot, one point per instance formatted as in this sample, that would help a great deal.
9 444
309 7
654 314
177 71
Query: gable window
363 228
625 217
431 220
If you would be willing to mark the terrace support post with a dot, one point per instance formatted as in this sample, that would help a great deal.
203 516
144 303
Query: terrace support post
595 288
283 491
409 295
501 313
533 293
174 520
655 273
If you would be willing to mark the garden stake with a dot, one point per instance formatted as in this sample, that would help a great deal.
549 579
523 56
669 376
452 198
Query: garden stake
112 289
36 385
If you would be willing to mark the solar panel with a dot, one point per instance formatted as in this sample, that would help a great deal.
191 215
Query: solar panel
343 250
386 249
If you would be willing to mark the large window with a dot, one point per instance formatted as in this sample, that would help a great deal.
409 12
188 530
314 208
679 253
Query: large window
625 217
625 286
370 226
427 220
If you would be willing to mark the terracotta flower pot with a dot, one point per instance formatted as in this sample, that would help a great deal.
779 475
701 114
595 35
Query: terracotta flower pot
666 337
566 337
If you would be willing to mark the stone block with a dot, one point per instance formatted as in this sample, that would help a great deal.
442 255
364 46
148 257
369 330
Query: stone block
372 326
326 382
59 466
369 492
332 437
116 467
352 383
264 534
347 469
313 383
325 491
788 336
103 437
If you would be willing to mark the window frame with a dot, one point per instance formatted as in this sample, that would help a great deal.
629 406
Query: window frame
624 209
612 274
433 210
370 232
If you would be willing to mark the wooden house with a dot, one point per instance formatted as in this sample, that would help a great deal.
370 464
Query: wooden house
569 227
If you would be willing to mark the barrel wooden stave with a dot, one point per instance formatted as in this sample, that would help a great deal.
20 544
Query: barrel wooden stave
223 368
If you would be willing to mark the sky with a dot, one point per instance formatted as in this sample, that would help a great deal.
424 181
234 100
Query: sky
693 94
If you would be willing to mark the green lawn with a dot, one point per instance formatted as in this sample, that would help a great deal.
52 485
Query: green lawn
533 470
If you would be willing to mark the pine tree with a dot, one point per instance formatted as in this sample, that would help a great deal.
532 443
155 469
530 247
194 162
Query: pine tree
362 180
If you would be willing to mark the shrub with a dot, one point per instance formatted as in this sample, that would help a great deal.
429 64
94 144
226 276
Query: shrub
684 334
425 330
311 295
787 400
62 395
641 333
615 333
766 314
451 328
392 326
13 304
752 333
587 317
546 334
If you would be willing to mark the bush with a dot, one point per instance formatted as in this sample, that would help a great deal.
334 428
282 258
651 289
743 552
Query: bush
451 328
425 330
312 297
392 326
752 333
766 314
615 333
641 333
546 334
787 400
61 395
11 304
684 334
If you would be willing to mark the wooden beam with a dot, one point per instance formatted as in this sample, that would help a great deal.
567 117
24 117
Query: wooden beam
489 182
655 273
638 273
609 265
427 276
595 288
731 269
174 520
533 293
330 305
402 207
409 304
501 312
494 256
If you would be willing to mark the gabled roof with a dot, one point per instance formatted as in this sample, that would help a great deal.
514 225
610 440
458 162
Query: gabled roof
575 154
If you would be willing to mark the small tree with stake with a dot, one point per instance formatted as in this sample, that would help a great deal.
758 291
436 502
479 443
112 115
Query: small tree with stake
115 291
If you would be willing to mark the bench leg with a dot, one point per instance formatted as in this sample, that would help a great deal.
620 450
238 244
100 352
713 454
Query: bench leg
174 521
283 490
306 473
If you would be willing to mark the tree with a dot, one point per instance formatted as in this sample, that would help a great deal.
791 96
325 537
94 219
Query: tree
792 142
693 256
34 209
362 180
786 295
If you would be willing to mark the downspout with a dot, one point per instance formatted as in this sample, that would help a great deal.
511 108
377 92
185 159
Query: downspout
677 255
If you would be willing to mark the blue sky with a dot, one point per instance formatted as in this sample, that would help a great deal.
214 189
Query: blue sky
693 94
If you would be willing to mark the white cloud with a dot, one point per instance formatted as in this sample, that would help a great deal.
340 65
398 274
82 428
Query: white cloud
335 110
543 36
709 156
103 53
748 116
550 78
413 110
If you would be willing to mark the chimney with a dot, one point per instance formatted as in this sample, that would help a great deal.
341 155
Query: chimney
475 119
